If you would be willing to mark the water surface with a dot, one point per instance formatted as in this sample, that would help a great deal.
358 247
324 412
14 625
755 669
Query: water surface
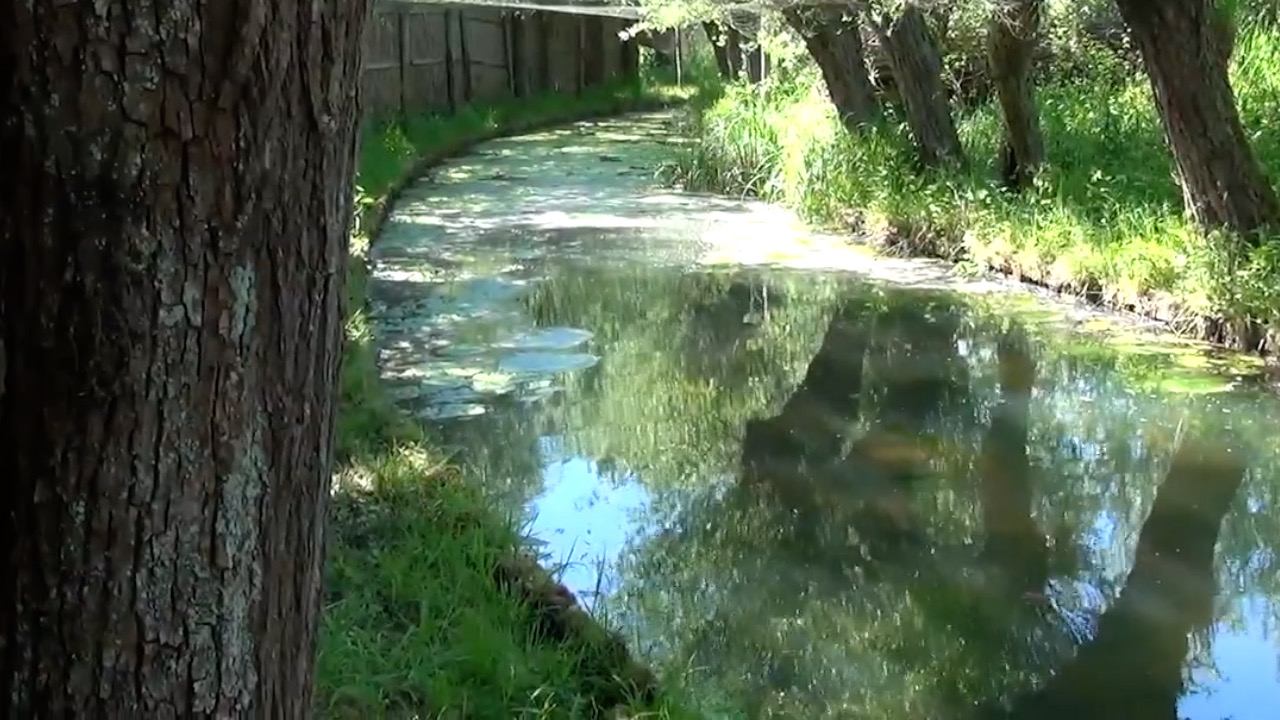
816 484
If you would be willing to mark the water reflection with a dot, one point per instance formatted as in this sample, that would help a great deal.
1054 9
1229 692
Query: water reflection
1132 666
1013 541
862 501
833 486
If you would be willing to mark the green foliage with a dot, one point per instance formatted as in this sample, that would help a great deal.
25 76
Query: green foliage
414 624
698 68
1106 214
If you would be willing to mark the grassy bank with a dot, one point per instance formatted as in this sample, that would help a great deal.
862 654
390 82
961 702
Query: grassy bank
1104 220
418 621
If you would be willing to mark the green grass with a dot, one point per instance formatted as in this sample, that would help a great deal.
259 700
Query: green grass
414 623
1106 216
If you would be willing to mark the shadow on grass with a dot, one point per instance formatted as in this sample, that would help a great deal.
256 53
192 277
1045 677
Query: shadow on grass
430 608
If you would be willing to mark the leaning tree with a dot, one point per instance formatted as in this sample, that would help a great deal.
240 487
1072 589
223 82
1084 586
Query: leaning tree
173 229
1186 48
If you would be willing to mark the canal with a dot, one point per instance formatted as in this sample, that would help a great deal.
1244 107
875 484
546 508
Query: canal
810 482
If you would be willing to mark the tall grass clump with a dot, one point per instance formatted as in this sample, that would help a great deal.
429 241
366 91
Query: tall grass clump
415 623
1105 216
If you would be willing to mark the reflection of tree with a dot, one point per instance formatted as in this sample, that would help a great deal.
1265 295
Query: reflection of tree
512 469
1133 665
827 489
807 454
788 570
805 462
821 565
919 372
646 408
721 325
1013 540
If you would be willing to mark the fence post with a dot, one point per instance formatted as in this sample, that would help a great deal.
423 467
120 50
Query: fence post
450 84
679 58
593 51
467 89
624 53
545 80
509 25
582 62
403 31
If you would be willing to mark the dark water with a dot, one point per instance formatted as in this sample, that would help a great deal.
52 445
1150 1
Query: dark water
808 494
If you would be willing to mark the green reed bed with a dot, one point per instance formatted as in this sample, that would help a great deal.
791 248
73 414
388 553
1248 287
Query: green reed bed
1105 215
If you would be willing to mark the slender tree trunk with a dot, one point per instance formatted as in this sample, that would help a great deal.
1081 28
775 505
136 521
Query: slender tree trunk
1012 40
1185 47
173 225
834 41
917 68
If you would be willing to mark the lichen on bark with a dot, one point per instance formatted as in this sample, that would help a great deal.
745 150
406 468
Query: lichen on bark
173 221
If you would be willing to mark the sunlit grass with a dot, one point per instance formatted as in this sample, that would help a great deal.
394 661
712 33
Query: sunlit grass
1106 215
414 623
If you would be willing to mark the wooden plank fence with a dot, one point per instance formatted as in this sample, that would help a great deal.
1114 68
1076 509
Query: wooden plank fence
435 58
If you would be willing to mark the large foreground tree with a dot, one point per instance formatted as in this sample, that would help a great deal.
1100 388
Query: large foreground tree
1186 47
173 223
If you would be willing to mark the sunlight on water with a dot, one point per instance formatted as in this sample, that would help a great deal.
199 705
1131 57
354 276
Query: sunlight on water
603 517
833 484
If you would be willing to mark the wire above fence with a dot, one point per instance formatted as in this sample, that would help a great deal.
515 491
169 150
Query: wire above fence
629 12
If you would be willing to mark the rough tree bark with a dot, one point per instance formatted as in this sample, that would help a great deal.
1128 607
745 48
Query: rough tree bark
917 70
1185 47
834 41
173 226
1011 45
725 44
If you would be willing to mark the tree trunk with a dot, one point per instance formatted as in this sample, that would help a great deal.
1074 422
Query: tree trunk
1185 47
725 48
173 228
753 62
1010 51
917 68
831 35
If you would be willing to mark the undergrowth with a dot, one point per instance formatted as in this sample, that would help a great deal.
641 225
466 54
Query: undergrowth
414 624
1104 217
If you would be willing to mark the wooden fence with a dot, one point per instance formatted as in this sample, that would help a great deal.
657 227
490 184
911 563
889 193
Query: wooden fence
435 58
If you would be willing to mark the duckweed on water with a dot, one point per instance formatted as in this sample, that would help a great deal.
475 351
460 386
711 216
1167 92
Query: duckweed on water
414 624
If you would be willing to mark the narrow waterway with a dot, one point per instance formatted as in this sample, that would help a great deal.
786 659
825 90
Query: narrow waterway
813 483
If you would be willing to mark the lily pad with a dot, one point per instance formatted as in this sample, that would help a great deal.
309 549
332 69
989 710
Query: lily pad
537 363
